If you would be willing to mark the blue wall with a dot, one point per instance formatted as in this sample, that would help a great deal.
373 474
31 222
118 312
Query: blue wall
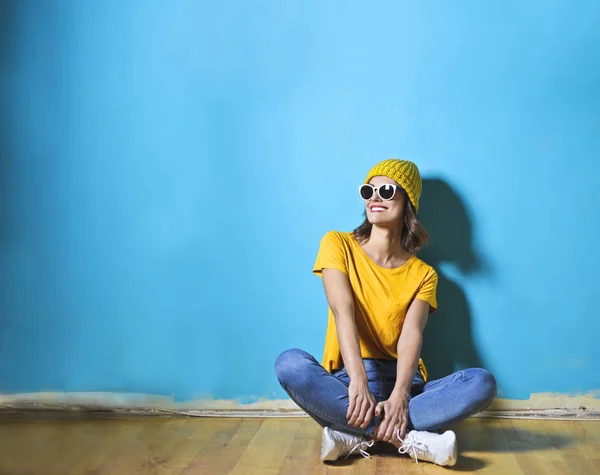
168 169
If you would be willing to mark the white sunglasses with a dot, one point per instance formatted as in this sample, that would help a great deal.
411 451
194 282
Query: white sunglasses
386 192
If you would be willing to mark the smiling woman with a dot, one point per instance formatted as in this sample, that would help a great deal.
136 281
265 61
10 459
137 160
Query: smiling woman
413 236
372 385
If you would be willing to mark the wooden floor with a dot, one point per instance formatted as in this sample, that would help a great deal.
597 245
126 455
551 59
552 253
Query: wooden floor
276 446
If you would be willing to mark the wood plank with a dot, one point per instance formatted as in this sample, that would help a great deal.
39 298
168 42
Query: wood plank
309 429
174 433
586 436
268 448
43 459
76 445
195 434
358 465
476 440
390 464
133 451
574 454
111 433
592 433
547 451
522 446
221 452
304 454
27 447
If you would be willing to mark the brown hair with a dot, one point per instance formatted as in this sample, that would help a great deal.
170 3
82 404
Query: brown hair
413 236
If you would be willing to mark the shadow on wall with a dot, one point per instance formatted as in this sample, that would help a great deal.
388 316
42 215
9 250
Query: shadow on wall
8 11
448 341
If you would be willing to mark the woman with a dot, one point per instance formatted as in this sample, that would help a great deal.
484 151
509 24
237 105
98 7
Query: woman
372 385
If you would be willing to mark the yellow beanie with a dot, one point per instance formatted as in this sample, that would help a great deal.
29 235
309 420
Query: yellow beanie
403 172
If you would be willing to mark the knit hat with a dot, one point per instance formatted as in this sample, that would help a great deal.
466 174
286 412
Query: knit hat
403 172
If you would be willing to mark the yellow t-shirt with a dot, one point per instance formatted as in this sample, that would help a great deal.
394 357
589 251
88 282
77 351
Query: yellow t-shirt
381 297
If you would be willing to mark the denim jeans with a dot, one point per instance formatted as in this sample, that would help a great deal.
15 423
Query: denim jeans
433 405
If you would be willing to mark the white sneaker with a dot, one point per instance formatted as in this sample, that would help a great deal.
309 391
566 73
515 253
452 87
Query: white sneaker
335 444
436 448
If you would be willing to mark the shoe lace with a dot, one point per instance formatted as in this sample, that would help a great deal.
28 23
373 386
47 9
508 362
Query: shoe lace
362 448
412 446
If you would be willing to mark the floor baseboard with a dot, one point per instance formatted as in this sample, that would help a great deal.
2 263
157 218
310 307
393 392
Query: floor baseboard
540 406
116 412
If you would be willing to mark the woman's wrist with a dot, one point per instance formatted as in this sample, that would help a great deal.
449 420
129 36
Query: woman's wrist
400 393
358 375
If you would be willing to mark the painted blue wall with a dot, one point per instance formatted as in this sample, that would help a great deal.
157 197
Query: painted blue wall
168 169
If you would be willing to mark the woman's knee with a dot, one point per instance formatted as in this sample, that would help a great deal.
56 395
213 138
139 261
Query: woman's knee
289 363
484 384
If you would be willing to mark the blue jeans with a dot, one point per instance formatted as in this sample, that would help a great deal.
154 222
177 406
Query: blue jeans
432 406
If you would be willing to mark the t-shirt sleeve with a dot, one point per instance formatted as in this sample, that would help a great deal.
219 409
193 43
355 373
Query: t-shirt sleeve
331 255
428 290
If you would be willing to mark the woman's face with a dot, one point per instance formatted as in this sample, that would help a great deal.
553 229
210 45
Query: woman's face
385 213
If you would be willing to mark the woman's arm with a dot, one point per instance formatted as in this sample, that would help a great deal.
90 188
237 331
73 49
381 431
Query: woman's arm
341 301
395 409
409 346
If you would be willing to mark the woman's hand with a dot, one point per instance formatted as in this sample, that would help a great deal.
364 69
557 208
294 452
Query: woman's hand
395 418
362 404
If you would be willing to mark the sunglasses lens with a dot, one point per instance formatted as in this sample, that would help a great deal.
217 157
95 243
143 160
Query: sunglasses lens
366 192
386 192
